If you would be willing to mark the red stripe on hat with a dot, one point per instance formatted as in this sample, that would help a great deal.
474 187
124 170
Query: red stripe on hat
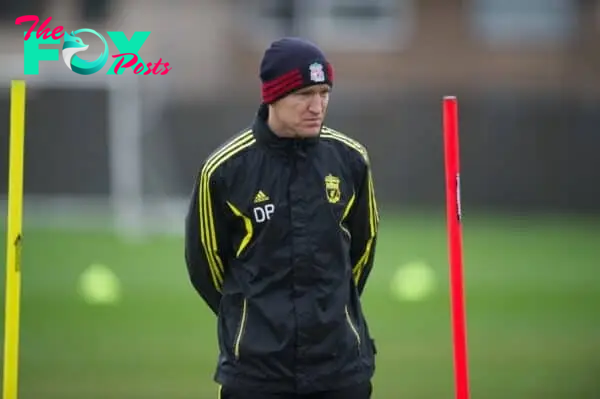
288 85
330 72
291 75
270 94
279 86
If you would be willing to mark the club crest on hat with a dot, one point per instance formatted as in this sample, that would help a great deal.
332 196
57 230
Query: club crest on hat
316 72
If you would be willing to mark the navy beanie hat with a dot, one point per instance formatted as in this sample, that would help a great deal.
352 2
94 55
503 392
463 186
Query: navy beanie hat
290 64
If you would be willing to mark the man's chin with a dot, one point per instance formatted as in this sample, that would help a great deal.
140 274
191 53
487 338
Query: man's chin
310 130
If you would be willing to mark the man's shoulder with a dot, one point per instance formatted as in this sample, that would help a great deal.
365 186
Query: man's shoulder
345 141
229 149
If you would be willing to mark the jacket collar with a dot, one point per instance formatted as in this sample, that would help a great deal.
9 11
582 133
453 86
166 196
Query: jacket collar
264 135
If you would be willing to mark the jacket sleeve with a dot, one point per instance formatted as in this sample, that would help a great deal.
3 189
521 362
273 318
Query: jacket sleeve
363 225
206 241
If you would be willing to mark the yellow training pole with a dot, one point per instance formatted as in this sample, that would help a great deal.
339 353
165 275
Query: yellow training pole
14 239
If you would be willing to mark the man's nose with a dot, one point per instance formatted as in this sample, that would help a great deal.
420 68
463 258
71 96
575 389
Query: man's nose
316 104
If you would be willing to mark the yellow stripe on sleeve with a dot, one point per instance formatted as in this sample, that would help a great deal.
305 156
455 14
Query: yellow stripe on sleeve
207 224
373 225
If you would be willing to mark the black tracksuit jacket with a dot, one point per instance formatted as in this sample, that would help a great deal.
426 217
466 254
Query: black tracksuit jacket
280 241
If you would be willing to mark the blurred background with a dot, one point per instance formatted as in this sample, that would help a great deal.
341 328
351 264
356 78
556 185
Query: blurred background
107 310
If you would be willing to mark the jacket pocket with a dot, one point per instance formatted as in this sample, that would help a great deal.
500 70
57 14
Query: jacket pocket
353 328
241 330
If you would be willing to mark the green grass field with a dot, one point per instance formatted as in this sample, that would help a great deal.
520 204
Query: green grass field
533 303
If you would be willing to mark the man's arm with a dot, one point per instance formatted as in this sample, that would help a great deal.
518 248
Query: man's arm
363 225
205 242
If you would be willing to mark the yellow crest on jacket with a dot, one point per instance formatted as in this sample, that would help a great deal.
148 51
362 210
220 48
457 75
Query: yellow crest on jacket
332 188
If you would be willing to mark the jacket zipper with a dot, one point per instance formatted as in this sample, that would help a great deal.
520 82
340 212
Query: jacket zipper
353 328
240 334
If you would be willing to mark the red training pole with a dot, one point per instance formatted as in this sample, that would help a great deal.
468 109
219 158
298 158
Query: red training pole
454 220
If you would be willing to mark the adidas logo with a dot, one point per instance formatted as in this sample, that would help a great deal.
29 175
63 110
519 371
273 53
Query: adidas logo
260 197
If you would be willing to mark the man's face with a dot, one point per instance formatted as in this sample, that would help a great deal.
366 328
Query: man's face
302 113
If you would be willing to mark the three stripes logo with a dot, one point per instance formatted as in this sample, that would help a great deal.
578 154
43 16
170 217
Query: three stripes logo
260 197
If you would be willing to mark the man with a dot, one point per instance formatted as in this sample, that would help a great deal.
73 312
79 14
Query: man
280 241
